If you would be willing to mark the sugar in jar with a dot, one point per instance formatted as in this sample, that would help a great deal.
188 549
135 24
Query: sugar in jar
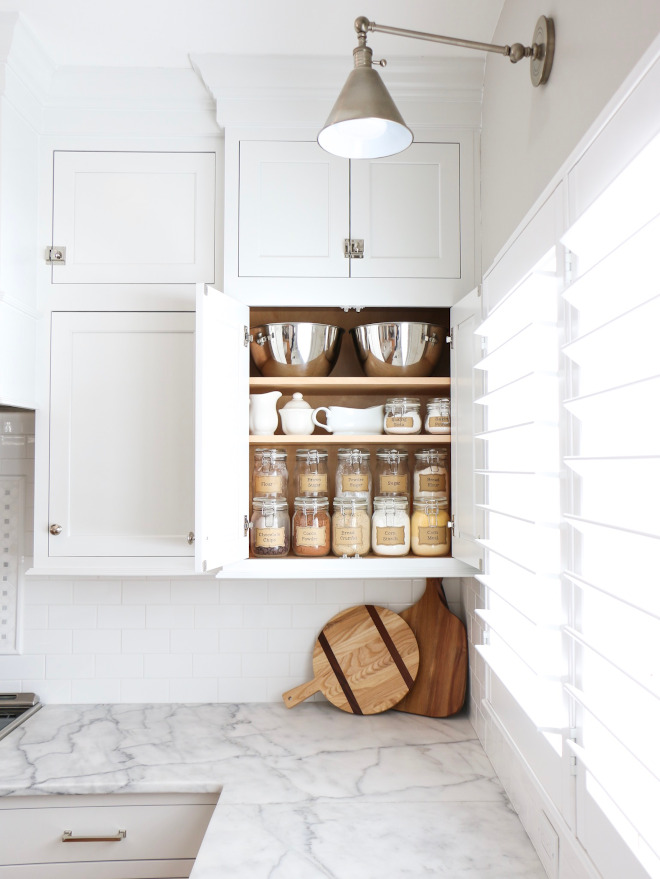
392 473
270 476
429 528
310 526
311 473
270 531
402 415
390 526
351 527
438 416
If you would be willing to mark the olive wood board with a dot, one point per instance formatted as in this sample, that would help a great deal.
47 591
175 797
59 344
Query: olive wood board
441 682
365 661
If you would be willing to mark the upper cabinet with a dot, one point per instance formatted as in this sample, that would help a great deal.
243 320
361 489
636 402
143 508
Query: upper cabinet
301 222
133 217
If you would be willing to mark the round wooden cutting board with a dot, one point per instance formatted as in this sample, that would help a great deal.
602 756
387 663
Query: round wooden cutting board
365 661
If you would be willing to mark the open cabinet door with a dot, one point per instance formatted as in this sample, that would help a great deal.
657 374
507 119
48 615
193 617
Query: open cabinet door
221 429
465 316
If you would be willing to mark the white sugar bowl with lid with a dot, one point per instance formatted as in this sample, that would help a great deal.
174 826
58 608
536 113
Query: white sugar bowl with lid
296 417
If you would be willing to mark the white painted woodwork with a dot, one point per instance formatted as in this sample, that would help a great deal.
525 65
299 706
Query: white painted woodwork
221 432
465 352
121 434
134 217
163 835
293 210
406 208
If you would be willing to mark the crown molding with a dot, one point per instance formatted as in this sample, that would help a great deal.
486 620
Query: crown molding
26 71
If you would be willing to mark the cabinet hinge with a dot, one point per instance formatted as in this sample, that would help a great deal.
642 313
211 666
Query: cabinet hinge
451 524
247 336
572 759
450 339
570 266
354 248
56 256
246 526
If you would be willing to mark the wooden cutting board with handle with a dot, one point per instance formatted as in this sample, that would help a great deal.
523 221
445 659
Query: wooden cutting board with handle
441 681
365 661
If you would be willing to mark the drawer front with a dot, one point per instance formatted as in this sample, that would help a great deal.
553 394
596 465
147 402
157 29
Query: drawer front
34 836
179 869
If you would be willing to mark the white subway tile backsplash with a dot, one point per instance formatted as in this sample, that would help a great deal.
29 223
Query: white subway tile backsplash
243 640
266 665
171 616
243 592
216 665
72 667
48 592
145 641
126 665
194 690
47 691
290 591
97 641
95 691
243 690
223 616
291 640
19 667
194 592
47 641
145 591
387 592
121 616
97 592
313 616
35 616
267 616
337 592
168 665
144 690
194 641
73 617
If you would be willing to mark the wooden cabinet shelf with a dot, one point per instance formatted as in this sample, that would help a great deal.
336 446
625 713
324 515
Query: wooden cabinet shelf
352 385
329 439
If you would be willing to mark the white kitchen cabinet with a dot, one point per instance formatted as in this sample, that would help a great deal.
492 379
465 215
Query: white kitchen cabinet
133 217
130 836
290 208
224 445
117 458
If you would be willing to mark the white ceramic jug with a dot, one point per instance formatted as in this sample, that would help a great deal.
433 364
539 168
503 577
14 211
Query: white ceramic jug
263 413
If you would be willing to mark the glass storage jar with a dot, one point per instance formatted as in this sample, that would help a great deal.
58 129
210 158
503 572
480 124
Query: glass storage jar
310 526
270 533
351 527
438 415
270 477
392 473
390 526
353 475
429 528
311 473
431 475
402 415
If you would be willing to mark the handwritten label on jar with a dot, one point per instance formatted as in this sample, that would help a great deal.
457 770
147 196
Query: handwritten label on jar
355 482
432 482
394 483
399 421
310 536
313 482
348 536
432 536
268 537
390 536
438 421
268 485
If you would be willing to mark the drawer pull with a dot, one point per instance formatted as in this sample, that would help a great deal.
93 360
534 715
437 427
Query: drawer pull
68 836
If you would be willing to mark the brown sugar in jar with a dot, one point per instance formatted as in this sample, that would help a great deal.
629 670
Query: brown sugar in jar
310 527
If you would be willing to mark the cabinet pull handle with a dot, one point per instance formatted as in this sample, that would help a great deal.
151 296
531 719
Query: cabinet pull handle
68 836
55 529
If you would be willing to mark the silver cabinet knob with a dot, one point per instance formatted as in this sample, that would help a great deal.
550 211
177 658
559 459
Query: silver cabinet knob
55 529
191 538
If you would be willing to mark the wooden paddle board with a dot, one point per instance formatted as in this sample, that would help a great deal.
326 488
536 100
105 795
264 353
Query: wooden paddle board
365 661
441 682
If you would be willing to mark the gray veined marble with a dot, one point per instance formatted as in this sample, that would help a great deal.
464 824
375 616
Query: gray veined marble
305 793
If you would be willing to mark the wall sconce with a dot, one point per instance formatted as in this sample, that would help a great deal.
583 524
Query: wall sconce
365 123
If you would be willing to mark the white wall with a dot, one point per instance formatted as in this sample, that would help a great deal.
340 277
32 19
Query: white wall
529 132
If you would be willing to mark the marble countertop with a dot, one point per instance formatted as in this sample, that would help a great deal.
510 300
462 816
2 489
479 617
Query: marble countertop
307 792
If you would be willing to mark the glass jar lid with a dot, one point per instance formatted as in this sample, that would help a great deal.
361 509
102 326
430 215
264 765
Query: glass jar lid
353 454
273 454
311 503
430 505
311 455
404 402
438 401
344 504
391 503
393 455
269 504
431 455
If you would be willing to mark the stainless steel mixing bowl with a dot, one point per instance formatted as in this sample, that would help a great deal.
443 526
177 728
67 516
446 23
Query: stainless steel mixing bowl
398 348
295 349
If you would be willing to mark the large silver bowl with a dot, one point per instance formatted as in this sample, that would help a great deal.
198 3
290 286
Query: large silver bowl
399 348
295 349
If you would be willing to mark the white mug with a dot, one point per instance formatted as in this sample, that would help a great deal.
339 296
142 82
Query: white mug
343 419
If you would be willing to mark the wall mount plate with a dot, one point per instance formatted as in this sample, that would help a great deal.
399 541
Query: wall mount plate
544 39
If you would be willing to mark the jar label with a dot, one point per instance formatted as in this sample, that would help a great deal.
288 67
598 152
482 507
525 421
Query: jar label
390 536
313 482
269 537
433 482
432 536
268 485
399 421
310 536
438 420
348 537
394 483
355 482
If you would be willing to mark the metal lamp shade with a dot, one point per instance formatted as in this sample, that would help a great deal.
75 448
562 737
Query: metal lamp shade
364 122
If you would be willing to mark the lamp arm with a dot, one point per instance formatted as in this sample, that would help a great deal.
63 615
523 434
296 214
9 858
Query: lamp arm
516 52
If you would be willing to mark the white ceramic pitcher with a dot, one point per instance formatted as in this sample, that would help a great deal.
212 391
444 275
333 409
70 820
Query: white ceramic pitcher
263 413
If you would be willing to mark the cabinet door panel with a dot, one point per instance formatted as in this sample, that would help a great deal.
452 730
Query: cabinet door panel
293 210
221 429
134 217
406 209
121 442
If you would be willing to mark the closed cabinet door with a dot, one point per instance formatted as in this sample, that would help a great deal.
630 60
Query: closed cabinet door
121 481
406 210
133 218
293 214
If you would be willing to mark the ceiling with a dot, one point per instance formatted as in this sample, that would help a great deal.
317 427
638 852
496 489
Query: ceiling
164 33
